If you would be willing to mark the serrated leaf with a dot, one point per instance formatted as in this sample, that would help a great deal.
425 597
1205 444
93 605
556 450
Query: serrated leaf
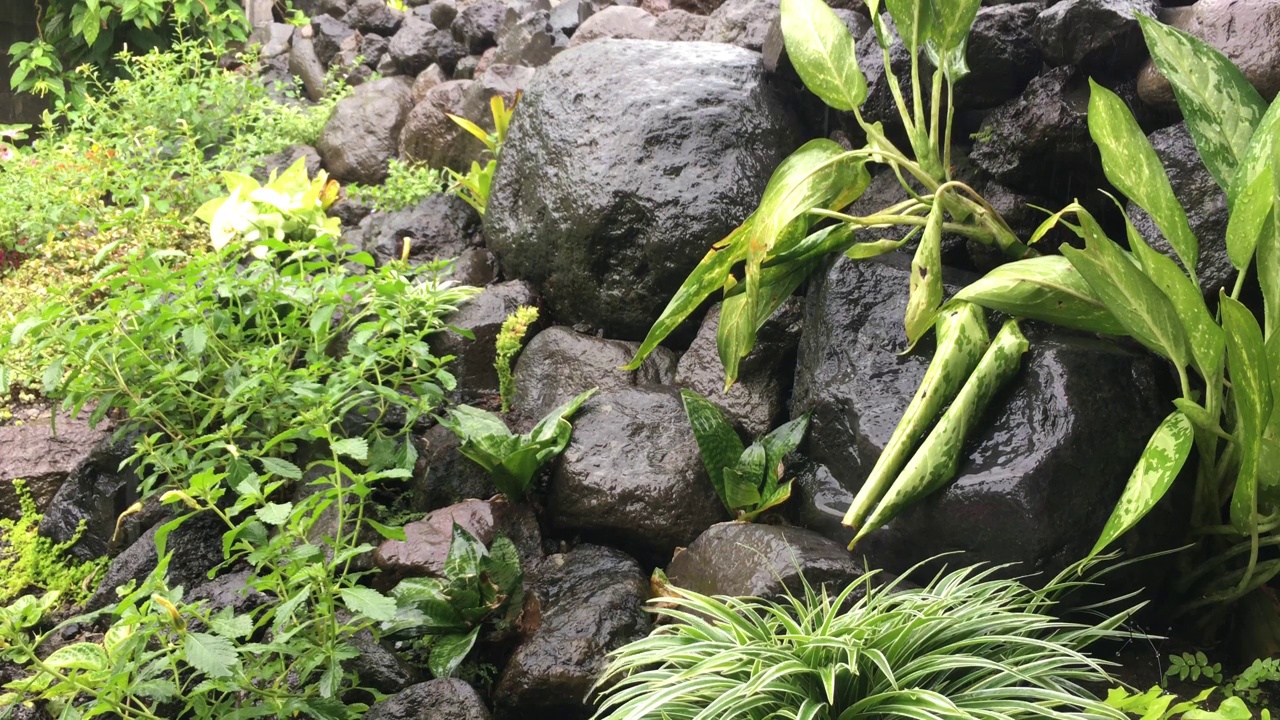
1132 166
1251 395
195 338
718 442
283 468
369 602
356 448
274 514
1157 468
1045 288
229 625
448 652
821 49
210 654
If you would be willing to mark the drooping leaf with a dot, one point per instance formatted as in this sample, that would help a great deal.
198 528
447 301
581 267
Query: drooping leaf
274 514
821 49
736 330
1249 197
718 442
448 652
1250 375
962 339
210 654
1220 105
1157 468
369 602
926 279
1133 299
936 460
1132 166
1043 288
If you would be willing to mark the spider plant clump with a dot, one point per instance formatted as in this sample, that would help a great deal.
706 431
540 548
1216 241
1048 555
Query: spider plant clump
965 646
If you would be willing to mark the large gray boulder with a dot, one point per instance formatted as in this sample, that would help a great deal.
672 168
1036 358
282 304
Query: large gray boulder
362 134
1041 472
43 452
626 160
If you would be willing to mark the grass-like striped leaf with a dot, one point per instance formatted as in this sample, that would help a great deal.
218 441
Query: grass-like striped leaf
1132 166
821 49
1046 288
1251 394
1157 468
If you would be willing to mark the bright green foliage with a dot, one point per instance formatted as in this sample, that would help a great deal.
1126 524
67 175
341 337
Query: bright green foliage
29 561
512 459
1261 678
407 184
1155 704
75 33
510 340
481 588
289 208
963 647
1193 667
473 186
748 480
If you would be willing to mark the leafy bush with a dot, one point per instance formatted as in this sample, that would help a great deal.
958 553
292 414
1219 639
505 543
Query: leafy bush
1155 704
406 185
29 561
512 459
748 480
508 344
963 646
481 586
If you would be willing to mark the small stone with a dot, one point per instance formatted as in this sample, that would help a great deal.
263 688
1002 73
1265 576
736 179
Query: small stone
327 35
304 64
618 22
374 16
477 24
442 13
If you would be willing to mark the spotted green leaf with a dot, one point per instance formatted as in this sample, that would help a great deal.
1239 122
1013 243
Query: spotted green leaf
914 19
448 652
1132 166
952 21
926 278
1135 301
821 49
1268 253
78 656
962 339
1250 197
1043 288
1220 105
936 460
717 441
465 552
739 321
1251 395
1159 465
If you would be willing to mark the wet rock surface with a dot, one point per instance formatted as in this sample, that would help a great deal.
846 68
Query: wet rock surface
648 153
196 546
445 476
482 316
1002 55
439 227
632 475
93 495
440 699
43 454
426 545
1094 35
363 132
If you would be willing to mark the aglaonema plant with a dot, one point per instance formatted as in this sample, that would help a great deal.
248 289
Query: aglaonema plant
747 479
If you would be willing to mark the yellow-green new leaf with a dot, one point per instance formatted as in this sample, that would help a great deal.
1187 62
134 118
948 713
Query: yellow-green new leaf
1045 288
926 278
962 339
1251 394
1132 166
936 460
821 49
79 656
1157 468
1144 311
1221 106
1250 196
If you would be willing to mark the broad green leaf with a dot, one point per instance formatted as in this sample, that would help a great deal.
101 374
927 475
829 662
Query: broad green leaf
210 654
926 279
79 656
717 441
821 49
783 440
503 565
1204 335
1157 468
283 468
953 20
914 20
781 493
274 514
936 460
1132 166
740 492
471 423
736 331
962 339
448 652
356 448
1045 288
1135 301
465 551
549 427
195 338
1250 197
1269 256
1251 394
369 602
1220 105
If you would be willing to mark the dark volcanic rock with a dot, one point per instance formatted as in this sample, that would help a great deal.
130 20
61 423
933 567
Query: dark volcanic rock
619 22
362 134
757 560
590 601
34 453
744 23
430 136
439 699
632 475
196 547
482 316
477 24
283 160
647 153
426 544
1002 55
529 39
441 226
1041 472
327 36
1094 35
448 476
442 13
373 16
419 43
558 364
308 68
94 493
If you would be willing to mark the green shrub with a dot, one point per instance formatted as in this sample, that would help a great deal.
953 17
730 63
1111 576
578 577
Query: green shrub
406 185
962 647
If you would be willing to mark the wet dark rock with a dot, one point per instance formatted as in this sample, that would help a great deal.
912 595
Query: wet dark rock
1039 142
442 13
558 364
476 267
283 160
377 667
439 227
362 134
1002 55
744 23
426 80
327 34
1205 203
880 105
482 316
317 8
44 459
419 43
439 699
619 22
757 560
529 39
478 23
648 153
426 545
632 475
755 403
272 39
466 67
431 137
1094 35
1041 472
1246 32
231 590
196 548
373 48
94 493
307 67
374 16
590 601
447 476
350 212
678 25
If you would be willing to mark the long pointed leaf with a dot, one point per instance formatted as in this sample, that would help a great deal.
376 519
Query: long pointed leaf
926 278
1043 288
821 49
717 441
1251 394
1250 195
